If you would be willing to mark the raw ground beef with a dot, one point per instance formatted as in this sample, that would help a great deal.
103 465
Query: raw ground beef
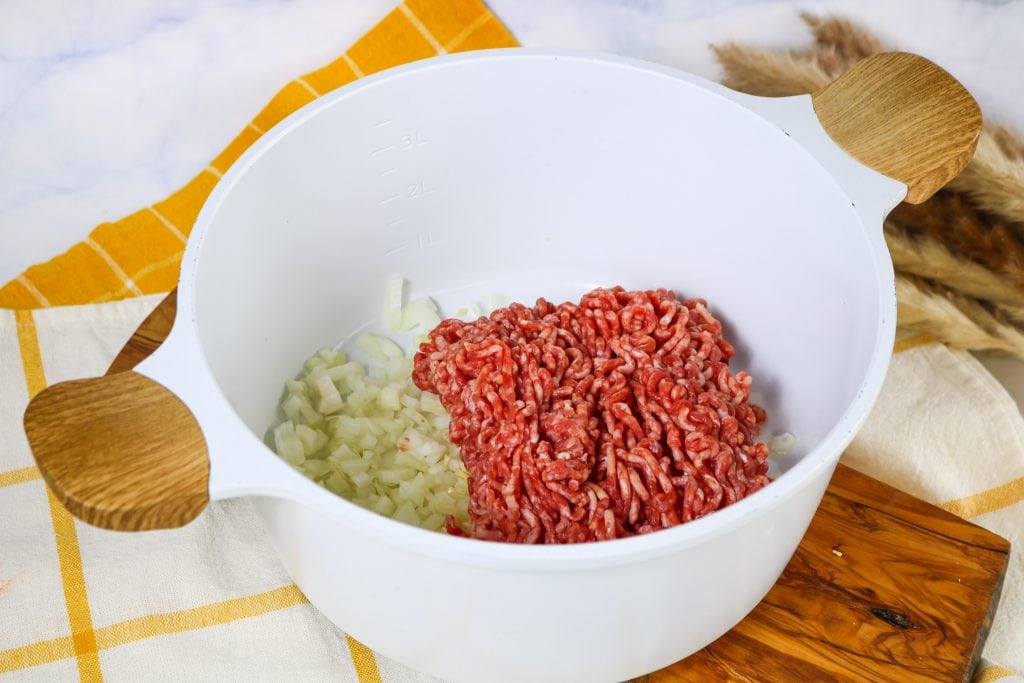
608 418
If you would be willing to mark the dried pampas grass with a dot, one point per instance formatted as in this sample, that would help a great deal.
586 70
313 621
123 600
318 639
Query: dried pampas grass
959 257
769 74
973 236
930 310
926 257
838 45
840 42
1009 144
994 178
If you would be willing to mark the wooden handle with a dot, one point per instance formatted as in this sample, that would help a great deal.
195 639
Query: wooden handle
903 116
149 336
120 452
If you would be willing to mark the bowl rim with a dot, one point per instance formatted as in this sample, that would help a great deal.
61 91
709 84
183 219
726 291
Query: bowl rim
291 485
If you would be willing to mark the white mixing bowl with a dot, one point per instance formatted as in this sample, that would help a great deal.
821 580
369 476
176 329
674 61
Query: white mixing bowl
536 174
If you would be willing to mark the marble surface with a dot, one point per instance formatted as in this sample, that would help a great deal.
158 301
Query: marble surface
107 106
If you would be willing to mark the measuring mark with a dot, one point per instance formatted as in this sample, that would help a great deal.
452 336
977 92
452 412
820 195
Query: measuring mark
381 124
389 199
420 189
395 250
381 150
413 139
395 222
425 239
388 170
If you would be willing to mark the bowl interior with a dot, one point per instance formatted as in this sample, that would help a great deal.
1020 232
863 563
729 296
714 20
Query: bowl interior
533 176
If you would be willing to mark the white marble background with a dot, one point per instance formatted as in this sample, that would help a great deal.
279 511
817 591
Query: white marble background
107 106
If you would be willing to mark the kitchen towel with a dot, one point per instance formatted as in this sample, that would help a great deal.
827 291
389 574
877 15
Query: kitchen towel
209 601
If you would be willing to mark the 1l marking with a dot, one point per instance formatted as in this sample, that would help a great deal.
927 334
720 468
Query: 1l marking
425 239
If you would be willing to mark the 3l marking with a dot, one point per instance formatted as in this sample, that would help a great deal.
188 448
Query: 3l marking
413 139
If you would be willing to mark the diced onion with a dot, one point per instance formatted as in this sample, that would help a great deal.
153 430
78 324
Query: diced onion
367 433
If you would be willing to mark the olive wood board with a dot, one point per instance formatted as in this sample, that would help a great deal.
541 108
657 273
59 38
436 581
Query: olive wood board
883 587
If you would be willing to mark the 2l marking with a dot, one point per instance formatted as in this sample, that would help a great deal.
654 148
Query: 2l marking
416 190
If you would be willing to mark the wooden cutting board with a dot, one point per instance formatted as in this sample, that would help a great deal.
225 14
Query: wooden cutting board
884 586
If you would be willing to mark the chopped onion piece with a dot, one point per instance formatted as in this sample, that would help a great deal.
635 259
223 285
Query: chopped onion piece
287 443
430 403
393 309
782 444
494 302
421 313
390 398
330 399
316 468
380 348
